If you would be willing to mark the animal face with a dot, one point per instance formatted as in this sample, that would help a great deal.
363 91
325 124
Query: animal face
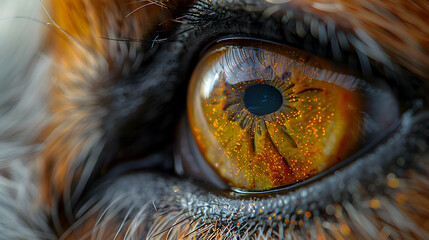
96 140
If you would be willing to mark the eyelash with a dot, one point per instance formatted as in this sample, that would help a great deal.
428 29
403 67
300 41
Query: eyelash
303 204
271 209
344 48
197 32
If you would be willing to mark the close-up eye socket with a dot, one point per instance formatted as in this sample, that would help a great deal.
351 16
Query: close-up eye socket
266 116
214 119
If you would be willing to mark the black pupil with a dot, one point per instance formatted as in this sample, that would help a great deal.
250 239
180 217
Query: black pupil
262 99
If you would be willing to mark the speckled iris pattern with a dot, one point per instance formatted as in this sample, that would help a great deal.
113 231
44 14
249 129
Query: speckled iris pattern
266 116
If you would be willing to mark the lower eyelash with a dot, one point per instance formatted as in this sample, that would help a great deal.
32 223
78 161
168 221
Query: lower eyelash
242 209
337 206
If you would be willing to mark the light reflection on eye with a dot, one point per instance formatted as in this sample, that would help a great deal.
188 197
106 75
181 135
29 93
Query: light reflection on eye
265 116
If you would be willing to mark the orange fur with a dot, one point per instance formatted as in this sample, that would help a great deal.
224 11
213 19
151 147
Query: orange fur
400 27
84 65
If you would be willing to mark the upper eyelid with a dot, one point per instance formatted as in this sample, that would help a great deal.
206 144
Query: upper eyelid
299 23
357 50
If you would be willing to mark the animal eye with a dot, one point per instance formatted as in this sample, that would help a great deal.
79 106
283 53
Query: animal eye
265 115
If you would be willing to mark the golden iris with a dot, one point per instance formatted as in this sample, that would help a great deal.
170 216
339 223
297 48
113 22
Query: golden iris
266 116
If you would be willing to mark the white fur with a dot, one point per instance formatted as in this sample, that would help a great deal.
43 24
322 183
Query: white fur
23 88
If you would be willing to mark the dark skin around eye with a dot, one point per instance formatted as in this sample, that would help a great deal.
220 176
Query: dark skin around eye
107 115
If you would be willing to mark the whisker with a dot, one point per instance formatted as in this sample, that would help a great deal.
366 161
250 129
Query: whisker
172 226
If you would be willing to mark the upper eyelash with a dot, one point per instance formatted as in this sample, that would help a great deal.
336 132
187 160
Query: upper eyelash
317 34
356 50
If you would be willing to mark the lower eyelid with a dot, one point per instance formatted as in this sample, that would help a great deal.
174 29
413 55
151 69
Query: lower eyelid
207 174
344 197
318 195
